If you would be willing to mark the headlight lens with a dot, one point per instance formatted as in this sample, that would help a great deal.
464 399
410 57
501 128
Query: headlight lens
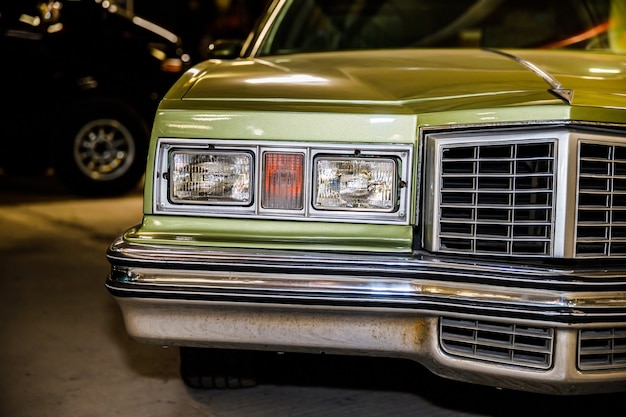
211 177
355 184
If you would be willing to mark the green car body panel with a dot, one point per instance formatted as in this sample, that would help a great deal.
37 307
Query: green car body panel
286 99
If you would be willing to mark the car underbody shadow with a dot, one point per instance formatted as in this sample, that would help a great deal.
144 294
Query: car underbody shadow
385 374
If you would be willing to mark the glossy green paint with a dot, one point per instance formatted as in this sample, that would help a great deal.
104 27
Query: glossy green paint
364 97
617 31
521 115
401 81
264 234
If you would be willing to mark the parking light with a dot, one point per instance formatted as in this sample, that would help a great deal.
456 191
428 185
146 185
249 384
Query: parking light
283 181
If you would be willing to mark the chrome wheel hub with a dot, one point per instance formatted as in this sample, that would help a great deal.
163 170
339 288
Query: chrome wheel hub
104 149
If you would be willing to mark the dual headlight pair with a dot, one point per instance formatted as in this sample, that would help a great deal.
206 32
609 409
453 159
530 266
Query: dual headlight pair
303 180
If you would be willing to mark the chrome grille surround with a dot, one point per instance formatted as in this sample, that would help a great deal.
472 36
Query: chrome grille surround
602 349
511 192
502 343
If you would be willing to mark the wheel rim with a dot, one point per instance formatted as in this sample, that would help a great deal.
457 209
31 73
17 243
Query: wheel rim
104 149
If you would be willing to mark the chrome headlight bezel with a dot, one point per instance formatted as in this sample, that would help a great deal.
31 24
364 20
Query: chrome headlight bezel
207 179
346 183
397 156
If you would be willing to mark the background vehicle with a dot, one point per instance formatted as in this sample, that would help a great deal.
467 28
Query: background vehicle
81 82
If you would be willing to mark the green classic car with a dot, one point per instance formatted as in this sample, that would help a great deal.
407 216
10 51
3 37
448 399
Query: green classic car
443 182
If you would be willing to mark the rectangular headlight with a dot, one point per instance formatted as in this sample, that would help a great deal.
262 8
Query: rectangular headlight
356 183
218 177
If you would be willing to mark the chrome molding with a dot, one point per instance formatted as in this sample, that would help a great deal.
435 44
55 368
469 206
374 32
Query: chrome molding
270 23
438 284
556 87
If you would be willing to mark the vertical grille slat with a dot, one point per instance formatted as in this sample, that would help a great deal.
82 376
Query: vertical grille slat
497 198
601 200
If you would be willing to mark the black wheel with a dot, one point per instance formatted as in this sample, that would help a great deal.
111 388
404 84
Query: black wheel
216 368
103 150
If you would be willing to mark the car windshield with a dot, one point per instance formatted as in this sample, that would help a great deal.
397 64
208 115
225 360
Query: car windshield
327 25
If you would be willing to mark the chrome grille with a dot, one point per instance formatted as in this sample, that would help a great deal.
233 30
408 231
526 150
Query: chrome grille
601 223
508 344
602 349
497 198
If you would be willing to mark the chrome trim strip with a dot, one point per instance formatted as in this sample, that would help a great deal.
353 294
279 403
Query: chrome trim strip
266 26
556 87
358 290
365 281
126 253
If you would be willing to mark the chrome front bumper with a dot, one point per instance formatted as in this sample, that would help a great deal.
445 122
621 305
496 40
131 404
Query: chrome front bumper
519 327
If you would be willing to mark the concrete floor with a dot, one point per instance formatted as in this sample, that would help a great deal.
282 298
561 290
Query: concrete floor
64 351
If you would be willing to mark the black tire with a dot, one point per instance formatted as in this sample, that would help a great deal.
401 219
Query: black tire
103 149
217 369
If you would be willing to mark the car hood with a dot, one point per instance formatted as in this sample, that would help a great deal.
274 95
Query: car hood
415 80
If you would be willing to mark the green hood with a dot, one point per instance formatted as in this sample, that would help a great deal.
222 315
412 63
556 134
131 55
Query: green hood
411 80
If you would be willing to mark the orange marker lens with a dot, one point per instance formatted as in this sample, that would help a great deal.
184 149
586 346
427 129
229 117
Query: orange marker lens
282 186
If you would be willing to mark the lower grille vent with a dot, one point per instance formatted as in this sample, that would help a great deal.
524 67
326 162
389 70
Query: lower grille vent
509 344
602 349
